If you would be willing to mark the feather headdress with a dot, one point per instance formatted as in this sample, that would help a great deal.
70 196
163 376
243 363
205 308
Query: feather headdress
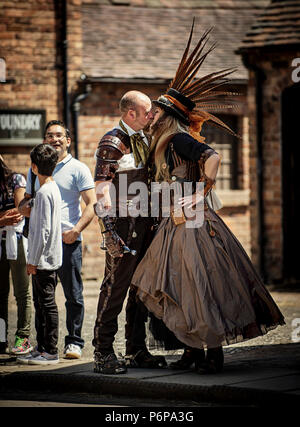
188 98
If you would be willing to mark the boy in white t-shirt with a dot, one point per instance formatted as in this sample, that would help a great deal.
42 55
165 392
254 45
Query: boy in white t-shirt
44 255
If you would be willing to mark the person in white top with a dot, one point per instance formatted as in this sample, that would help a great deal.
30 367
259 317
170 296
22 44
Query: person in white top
74 181
45 255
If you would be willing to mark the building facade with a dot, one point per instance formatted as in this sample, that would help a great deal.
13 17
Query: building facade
74 59
271 52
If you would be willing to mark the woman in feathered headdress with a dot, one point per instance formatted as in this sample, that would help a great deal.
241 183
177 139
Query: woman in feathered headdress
198 279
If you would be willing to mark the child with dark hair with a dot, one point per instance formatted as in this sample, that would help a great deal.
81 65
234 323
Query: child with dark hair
44 255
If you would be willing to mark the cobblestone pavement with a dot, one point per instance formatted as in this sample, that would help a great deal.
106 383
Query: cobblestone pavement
289 303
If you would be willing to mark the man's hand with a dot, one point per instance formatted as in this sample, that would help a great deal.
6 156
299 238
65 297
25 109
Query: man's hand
10 217
89 198
70 236
31 269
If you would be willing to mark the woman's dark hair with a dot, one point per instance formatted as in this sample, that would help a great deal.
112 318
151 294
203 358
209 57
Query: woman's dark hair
5 171
5 175
59 123
45 158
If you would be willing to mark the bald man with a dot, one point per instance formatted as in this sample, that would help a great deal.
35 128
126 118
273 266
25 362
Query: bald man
122 153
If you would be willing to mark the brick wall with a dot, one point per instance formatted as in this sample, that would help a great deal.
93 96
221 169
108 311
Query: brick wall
30 42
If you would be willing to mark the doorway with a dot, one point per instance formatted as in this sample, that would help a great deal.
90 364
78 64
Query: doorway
290 108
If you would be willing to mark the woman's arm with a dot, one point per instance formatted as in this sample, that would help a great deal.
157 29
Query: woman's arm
19 196
211 166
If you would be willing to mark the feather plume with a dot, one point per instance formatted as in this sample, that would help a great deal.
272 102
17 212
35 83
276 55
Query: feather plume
202 91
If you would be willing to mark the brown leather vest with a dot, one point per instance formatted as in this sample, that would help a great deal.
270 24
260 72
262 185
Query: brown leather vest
112 147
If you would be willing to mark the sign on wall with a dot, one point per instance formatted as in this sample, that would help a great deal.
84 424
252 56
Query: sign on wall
22 127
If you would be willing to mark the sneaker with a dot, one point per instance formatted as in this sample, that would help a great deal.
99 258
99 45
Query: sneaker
72 351
44 359
108 364
22 346
24 359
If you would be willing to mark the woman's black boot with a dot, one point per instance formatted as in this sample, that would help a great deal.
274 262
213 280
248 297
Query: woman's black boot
190 356
213 363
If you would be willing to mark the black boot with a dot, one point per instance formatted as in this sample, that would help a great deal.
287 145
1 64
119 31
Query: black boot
144 359
108 364
190 356
4 348
213 363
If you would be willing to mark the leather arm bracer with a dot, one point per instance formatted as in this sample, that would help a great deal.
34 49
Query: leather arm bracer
112 242
111 148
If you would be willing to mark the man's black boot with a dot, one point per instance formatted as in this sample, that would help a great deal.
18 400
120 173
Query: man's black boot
144 359
108 364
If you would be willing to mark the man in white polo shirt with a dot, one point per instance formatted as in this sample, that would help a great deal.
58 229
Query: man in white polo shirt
74 180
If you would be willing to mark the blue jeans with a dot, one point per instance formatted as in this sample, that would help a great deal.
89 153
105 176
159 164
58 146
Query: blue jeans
70 277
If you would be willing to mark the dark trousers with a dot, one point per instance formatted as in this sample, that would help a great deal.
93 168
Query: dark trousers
21 288
46 314
70 277
114 288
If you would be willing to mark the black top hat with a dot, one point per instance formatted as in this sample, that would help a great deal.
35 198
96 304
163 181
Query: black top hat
172 109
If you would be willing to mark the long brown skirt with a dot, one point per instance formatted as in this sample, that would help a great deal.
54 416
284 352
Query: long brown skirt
203 287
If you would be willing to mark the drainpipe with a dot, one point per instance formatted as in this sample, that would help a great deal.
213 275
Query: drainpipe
259 78
64 18
75 107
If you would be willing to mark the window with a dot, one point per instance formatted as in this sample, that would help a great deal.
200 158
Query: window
226 145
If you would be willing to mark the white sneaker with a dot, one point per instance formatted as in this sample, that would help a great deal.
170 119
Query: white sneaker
72 351
44 359
24 359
